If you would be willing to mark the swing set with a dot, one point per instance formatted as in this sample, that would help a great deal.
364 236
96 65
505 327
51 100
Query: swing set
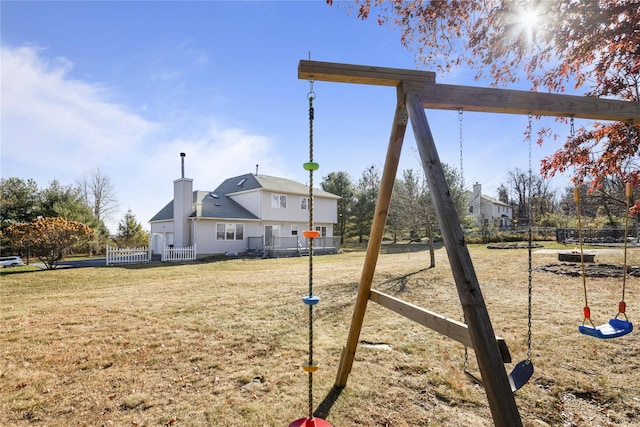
417 91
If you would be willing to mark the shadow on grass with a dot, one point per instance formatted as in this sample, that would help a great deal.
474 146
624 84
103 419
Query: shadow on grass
401 281
401 248
393 248
19 270
39 268
325 406
100 262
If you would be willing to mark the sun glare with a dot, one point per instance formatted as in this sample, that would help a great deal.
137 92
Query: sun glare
528 20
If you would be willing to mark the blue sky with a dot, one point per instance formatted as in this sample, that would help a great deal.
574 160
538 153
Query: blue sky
126 86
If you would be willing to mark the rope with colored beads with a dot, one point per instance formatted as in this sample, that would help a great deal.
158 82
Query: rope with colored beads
310 366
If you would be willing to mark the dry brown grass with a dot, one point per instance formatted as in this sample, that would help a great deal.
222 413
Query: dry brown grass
220 344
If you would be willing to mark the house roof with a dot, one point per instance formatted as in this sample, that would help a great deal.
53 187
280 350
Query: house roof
495 201
208 204
487 199
276 184
219 204
164 214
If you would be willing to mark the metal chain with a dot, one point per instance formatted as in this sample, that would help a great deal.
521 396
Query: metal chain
461 143
572 130
460 114
530 243
466 360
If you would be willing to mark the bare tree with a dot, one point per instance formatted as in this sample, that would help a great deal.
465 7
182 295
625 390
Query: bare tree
98 193
536 194
518 181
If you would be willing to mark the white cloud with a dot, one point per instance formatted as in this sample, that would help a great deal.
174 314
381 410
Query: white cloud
57 127
52 122
211 157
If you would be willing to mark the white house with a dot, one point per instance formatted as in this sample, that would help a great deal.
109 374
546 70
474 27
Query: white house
251 213
489 212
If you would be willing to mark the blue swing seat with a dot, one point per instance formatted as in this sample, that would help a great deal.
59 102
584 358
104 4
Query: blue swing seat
614 329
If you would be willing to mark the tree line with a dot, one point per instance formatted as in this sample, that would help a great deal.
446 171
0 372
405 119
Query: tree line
55 221
600 207
412 217
411 214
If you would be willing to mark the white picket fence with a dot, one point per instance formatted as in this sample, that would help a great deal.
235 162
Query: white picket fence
187 253
117 256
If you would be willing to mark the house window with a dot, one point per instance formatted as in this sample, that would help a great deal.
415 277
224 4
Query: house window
323 230
229 231
471 209
294 230
304 203
278 201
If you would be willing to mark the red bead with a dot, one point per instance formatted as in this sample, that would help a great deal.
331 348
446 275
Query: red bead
622 306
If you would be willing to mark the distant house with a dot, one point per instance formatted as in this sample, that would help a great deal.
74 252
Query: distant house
489 212
257 214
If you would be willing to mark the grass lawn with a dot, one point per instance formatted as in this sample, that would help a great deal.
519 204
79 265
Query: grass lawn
221 344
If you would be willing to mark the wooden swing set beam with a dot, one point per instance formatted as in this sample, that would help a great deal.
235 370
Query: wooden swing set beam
471 98
443 325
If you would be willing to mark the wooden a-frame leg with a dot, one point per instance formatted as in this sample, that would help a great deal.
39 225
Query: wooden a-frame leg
375 240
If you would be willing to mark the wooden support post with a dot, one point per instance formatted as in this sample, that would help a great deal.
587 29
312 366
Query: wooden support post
501 400
375 240
451 328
